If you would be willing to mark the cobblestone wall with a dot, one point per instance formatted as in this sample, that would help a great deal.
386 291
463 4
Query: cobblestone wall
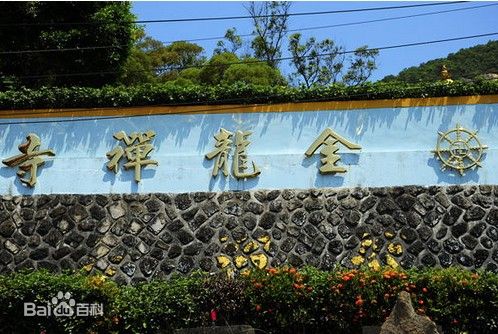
137 237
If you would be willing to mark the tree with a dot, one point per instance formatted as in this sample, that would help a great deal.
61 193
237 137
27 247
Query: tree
270 25
467 63
101 30
233 42
212 72
152 61
253 72
323 63
316 63
227 68
361 67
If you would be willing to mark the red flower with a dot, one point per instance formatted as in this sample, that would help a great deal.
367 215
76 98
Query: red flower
424 290
420 302
258 308
258 285
213 315
358 301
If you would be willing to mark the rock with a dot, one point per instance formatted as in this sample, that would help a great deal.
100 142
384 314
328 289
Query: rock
403 319
117 210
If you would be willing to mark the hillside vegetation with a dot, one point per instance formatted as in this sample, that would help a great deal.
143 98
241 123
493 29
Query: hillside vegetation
467 63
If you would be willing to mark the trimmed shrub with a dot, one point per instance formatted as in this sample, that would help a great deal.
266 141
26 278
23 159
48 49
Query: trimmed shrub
190 94
284 300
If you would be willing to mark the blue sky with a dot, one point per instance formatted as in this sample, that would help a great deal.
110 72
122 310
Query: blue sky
417 29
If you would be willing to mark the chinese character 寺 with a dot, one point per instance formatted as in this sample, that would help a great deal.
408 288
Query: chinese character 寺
222 151
328 139
29 160
137 149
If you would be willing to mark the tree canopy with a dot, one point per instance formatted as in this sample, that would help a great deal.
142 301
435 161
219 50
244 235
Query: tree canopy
468 63
97 34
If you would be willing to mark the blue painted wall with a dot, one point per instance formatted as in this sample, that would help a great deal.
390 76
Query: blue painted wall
396 150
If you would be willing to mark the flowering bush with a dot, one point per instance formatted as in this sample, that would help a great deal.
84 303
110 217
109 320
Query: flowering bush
276 300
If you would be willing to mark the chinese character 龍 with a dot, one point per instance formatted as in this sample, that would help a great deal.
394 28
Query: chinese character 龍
222 151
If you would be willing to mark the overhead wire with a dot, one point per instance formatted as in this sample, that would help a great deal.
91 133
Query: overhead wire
343 24
11 52
222 18
261 61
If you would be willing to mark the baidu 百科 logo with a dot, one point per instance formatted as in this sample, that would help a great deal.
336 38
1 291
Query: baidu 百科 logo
63 305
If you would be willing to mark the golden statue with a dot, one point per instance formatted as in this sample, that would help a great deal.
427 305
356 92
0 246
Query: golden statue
445 74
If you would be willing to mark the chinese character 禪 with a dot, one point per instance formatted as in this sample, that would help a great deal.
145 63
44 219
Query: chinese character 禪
29 160
137 149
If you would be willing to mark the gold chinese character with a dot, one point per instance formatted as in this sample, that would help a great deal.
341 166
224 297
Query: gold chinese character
136 153
328 139
240 157
29 160
221 151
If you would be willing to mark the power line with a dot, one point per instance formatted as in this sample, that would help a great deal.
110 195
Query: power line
248 35
62 50
260 61
222 18
344 24
208 102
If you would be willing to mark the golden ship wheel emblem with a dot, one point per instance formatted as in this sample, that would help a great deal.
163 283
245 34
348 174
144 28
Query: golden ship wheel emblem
459 149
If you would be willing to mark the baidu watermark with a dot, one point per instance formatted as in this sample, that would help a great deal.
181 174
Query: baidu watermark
63 305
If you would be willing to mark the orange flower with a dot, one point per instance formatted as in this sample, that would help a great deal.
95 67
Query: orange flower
358 302
258 285
272 271
297 286
292 270
258 308
475 276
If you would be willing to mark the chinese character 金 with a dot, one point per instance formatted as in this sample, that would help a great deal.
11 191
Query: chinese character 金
137 149
29 160
222 151
328 139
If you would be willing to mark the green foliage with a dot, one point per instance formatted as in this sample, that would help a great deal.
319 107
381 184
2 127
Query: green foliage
186 93
270 25
282 300
151 61
466 63
213 71
232 44
253 72
105 25
39 288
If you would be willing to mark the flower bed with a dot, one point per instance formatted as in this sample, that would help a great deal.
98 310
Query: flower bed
282 300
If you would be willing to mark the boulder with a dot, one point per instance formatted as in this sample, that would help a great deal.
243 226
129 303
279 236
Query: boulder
404 320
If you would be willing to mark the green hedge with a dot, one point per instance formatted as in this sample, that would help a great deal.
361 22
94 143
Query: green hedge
168 94
275 300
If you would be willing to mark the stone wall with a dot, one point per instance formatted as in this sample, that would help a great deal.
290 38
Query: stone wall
137 237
